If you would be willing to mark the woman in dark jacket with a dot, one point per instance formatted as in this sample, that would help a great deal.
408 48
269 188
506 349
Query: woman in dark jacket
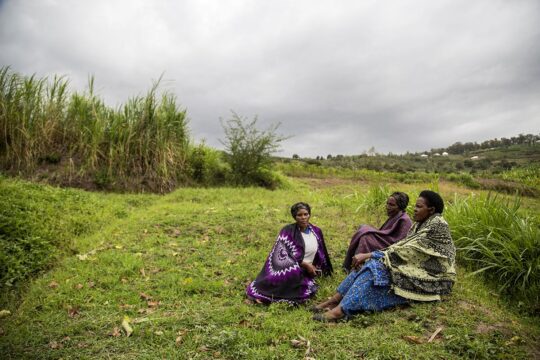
368 239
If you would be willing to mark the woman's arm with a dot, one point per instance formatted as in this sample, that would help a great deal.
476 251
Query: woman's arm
309 267
359 259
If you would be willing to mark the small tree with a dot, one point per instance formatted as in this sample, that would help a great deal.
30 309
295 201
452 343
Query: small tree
249 149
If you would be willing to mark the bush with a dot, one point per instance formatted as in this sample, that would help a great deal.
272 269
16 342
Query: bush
249 149
270 179
207 166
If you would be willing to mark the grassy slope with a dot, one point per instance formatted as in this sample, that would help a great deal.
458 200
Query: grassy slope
194 250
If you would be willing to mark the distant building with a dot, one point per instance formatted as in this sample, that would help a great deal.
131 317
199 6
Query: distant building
474 158
424 155
445 154
436 154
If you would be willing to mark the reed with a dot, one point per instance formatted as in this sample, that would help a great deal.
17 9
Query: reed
143 144
497 239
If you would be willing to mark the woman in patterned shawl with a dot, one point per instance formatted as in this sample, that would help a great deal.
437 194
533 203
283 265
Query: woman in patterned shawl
368 239
418 268
298 256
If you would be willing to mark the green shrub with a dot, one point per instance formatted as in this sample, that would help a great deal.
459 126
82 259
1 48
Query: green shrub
207 166
249 150
270 179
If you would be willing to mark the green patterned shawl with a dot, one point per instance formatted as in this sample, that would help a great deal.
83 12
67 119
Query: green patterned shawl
422 264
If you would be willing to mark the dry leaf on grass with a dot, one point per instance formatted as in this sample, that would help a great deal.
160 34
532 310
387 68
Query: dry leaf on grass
4 313
127 328
53 284
79 286
153 304
145 296
143 273
435 333
55 345
146 311
513 341
180 337
140 320
115 332
178 340
73 311
158 332
91 284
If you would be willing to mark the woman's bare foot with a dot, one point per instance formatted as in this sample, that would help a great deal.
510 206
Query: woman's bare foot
328 304
333 315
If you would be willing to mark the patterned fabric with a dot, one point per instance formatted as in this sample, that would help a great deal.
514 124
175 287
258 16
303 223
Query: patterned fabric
281 278
369 289
422 265
368 239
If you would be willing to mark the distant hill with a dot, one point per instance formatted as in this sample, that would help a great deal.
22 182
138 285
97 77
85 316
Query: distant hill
460 148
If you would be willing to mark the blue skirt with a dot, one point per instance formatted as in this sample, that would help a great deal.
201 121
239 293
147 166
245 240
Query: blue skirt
368 289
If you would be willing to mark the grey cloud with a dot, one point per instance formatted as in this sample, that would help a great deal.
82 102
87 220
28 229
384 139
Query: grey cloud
340 77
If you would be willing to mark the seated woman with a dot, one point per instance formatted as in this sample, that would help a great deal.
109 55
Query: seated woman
368 239
418 268
298 256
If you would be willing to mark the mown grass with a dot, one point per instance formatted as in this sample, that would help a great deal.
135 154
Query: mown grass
177 266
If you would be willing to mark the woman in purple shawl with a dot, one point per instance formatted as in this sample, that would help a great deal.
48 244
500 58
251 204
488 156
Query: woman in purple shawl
368 239
298 256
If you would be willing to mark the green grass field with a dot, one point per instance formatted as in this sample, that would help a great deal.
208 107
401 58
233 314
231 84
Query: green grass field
174 269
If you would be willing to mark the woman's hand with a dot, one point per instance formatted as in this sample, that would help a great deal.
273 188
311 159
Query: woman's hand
310 268
359 259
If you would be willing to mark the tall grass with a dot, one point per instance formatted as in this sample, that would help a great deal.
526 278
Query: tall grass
501 242
143 144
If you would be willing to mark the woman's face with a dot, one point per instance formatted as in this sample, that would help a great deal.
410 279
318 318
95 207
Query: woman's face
302 218
422 211
392 208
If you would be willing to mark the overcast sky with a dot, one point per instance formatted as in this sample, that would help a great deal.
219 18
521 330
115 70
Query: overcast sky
340 76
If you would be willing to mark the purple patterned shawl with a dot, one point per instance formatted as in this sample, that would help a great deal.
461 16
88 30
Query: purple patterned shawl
368 239
281 278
